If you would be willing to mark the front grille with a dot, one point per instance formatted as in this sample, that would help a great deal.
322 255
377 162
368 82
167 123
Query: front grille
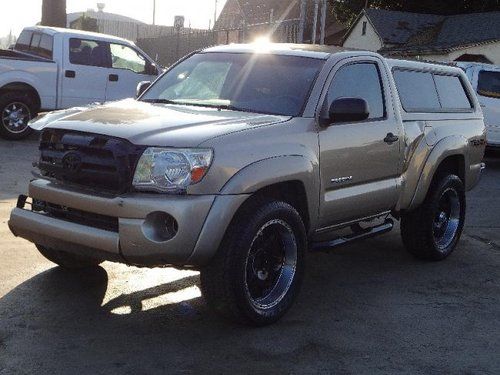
72 215
89 160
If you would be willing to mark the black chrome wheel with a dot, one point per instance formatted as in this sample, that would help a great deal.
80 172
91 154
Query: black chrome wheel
433 230
271 264
15 117
16 111
256 274
447 219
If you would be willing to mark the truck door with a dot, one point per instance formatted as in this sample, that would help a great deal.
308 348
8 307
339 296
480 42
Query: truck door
359 161
85 70
128 68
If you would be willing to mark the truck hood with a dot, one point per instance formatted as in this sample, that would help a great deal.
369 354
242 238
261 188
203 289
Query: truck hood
154 124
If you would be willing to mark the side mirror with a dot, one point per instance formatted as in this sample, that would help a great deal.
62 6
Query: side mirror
151 69
141 87
348 110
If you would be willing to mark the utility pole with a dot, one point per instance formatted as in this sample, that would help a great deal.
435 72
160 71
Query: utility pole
154 12
315 22
303 5
54 13
215 12
324 8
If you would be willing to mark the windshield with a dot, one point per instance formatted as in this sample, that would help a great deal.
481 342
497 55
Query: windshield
258 83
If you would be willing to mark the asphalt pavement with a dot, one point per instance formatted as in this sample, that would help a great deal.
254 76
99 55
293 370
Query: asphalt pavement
366 308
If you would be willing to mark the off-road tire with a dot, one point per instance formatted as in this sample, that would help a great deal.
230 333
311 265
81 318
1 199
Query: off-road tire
16 97
417 225
223 280
67 260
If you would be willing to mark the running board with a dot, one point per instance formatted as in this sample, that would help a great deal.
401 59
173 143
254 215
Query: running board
367 233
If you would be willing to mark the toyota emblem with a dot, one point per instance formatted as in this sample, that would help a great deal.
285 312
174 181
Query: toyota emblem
72 162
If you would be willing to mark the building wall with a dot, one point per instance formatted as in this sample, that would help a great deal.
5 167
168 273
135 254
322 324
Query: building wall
490 51
370 41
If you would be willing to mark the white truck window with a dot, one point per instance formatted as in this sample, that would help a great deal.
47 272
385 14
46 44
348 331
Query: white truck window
35 43
24 41
89 52
489 84
46 46
124 57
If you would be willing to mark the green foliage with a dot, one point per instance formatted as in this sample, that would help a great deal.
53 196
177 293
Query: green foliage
346 11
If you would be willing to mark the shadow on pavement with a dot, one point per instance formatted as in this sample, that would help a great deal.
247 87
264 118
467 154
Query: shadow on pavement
365 308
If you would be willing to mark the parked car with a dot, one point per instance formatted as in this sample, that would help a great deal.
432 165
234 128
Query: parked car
51 68
485 79
227 165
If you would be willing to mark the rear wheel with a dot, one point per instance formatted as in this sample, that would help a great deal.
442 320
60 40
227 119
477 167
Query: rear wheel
68 260
433 230
16 110
257 272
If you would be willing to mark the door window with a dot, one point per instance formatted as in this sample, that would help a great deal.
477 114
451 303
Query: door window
89 52
124 57
489 84
359 81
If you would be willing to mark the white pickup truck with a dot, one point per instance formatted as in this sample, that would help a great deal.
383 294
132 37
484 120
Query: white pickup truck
51 68
485 79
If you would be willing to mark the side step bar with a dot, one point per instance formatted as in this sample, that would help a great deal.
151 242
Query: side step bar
367 233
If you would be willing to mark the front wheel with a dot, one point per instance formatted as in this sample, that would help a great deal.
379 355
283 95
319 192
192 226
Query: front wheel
257 272
433 230
16 110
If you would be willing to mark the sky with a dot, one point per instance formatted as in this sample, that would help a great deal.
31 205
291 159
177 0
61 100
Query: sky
17 14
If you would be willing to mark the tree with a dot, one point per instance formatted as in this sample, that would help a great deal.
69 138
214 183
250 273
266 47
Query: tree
54 13
346 11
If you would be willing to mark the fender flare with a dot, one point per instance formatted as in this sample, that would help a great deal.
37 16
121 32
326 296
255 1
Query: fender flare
242 185
455 145
276 170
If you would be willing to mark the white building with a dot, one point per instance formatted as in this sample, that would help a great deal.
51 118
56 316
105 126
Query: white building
464 37
115 24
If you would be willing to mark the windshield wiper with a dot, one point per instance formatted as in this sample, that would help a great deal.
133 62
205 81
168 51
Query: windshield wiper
228 107
160 101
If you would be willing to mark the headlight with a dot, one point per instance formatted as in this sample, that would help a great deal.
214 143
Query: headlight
171 170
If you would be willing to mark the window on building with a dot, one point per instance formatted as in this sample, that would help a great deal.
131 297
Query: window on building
363 32
359 81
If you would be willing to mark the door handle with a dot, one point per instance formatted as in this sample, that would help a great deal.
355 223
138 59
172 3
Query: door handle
391 138
70 74
113 77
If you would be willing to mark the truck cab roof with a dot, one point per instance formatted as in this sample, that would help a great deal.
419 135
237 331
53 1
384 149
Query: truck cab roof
76 33
301 50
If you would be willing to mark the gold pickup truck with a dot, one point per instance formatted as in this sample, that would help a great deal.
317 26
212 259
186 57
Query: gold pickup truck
239 159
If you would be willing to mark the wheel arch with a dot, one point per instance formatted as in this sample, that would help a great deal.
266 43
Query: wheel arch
293 179
22 87
450 154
